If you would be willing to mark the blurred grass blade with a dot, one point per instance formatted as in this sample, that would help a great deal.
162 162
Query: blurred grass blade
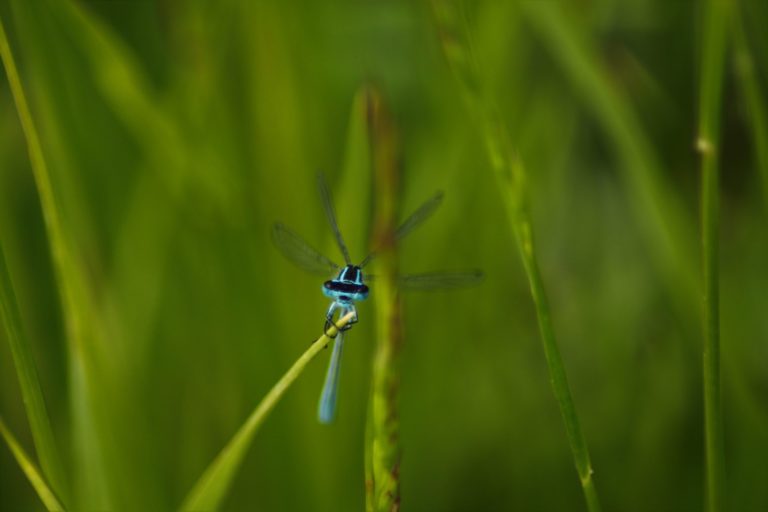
126 87
352 188
33 475
755 108
39 167
210 489
521 224
510 173
70 280
660 213
382 449
39 422
715 23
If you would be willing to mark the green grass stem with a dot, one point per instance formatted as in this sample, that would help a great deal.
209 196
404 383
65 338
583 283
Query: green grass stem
31 391
47 496
382 449
715 37
212 487
511 175
520 221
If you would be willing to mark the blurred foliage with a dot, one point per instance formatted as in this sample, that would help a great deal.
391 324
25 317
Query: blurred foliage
177 132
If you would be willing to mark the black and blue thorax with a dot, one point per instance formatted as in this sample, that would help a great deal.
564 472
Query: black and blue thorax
347 287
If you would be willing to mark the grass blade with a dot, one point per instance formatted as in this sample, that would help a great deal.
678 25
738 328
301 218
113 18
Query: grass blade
511 175
353 184
39 167
715 25
127 89
69 276
382 450
33 475
665 223
754 101
32 395
521 224
210 489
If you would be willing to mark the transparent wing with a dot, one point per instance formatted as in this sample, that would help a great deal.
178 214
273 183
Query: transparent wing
300 252
421 214
325 195
326 408
440 280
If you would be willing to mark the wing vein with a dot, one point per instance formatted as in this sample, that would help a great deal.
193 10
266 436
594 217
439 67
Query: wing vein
325 195
300 252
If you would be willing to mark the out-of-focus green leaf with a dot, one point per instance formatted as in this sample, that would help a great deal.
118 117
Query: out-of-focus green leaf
33 475
76 304
512 177
752 95
37 414
665 223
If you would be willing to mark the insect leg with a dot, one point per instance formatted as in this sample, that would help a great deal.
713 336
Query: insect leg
329 319
349 309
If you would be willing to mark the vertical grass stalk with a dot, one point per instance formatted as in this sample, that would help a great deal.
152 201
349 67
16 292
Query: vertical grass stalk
29 383
715 23
382 451
508 169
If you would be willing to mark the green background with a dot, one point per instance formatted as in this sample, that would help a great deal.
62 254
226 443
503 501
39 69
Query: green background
177 132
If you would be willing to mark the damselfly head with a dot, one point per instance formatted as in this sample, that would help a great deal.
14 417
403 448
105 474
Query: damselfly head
347 287
350 274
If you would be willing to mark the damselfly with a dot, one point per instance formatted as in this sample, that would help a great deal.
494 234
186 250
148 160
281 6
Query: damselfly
348 286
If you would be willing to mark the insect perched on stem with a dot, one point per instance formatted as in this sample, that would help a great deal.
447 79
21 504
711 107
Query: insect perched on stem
348 286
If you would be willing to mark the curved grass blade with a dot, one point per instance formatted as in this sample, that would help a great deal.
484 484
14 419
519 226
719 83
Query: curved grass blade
326 409
325 195
300 252
421 214
214 483
440 280
37 414
44 492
